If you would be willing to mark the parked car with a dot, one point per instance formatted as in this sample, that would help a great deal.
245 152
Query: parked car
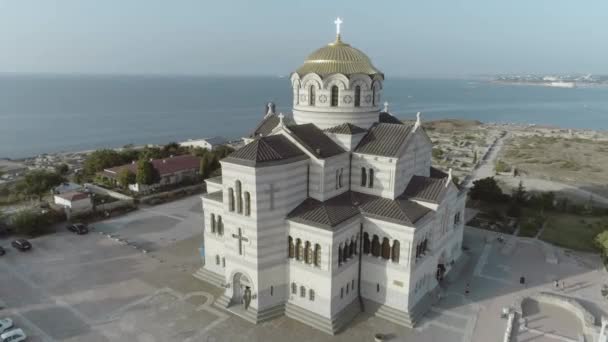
5 324
78 228
22 245
2 252
15 335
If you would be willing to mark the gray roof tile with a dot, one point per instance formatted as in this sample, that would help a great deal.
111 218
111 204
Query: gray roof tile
384 139
345 128
426 189
315 141
272 148
217 196
385 117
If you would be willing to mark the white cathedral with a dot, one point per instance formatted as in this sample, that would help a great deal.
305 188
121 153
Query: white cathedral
333 211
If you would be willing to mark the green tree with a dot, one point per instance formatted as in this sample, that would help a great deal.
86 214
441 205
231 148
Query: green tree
204 167
486 189
28 222
520 195
501 166
126 177
146 173
36 183
172 148
437 152
102 159
62 169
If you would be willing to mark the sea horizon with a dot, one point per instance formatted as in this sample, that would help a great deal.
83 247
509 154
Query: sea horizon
77 112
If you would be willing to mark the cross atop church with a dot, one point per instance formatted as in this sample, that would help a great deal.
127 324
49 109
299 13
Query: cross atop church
338 22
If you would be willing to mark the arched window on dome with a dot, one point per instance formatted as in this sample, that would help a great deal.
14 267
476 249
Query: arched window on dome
334 96
311 95
299 250
357 96
290 248
376 246
366 243
386 249
318 255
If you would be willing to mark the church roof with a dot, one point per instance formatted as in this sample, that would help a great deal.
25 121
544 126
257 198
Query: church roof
338 58
315 141
265 126
385 117
331 213
217 196
384 139
345 128
426 189
266 151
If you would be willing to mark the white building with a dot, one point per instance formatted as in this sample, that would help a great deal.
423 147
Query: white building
206 143
74 202
337 213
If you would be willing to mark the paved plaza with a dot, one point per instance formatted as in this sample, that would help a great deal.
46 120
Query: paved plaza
100 288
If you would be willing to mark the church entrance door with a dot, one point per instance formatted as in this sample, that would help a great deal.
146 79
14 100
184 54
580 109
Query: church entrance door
441 267
241 290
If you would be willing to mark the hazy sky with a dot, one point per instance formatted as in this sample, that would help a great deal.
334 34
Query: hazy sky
253 37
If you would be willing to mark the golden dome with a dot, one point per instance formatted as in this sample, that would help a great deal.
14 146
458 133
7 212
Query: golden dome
337 58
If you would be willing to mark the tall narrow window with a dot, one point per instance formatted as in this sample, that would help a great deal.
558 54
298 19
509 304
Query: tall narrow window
357 96
345 251
371 178
294 288
386 249
311 95
341 292
311 294
247 203
299 249
347 288
363 176
353 284
337 179
290 248
220 225
340 178
395 252
223 262
230 199
302 291
239 199
352 248
366 244
212 219
307 253
376 246
340 256
217 259
374 95
318 255
271 290
334 96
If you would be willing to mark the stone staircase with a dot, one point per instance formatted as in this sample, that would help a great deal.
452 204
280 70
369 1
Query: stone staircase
329 326
209 277
251 315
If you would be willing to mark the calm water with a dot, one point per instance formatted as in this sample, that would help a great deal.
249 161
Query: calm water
41 114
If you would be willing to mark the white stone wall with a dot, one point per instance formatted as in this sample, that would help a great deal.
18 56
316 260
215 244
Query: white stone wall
346 141
384 174
213 187
414 160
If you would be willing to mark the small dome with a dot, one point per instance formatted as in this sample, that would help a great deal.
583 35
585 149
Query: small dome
338 58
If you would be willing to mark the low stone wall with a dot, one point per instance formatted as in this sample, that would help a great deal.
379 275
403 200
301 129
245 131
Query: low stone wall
113 205
567 303
189 190
103 191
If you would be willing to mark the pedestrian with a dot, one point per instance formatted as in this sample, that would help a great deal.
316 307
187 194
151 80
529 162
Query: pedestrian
466 289
556 284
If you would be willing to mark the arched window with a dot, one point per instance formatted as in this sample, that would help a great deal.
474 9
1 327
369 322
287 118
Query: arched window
294 288
334 96
223 262
340 178
374 95
347 288
363 176
357 96
346 251
318 255
217 259
395 252
212 219
271 290
299 249
340 256
337 179
220 225
239 199
352 248
371 178
230 199
302 291
247 203
366 244
311 95
311 294
376 246
290 248
386 249
307 253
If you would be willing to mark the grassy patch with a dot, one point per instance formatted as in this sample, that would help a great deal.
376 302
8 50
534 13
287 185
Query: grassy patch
574 231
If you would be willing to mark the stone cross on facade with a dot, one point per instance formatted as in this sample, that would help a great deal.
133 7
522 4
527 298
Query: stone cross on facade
338 22
241 239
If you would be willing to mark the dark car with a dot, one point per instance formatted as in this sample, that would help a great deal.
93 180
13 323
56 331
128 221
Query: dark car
2 251
78 228
22 245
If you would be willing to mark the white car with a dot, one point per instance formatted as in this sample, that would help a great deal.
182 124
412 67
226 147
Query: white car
5 324
15 335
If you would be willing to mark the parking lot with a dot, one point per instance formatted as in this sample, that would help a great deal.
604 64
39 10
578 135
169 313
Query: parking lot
103 287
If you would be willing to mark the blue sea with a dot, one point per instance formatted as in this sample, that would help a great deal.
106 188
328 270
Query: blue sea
44 114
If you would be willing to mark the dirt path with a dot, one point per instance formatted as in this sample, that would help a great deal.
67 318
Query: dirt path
487 165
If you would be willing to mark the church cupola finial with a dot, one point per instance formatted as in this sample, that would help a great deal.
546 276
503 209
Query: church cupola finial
418 122
386 106
338 22
270 110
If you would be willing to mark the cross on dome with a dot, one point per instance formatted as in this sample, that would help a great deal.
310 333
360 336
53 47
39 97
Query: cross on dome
338 22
